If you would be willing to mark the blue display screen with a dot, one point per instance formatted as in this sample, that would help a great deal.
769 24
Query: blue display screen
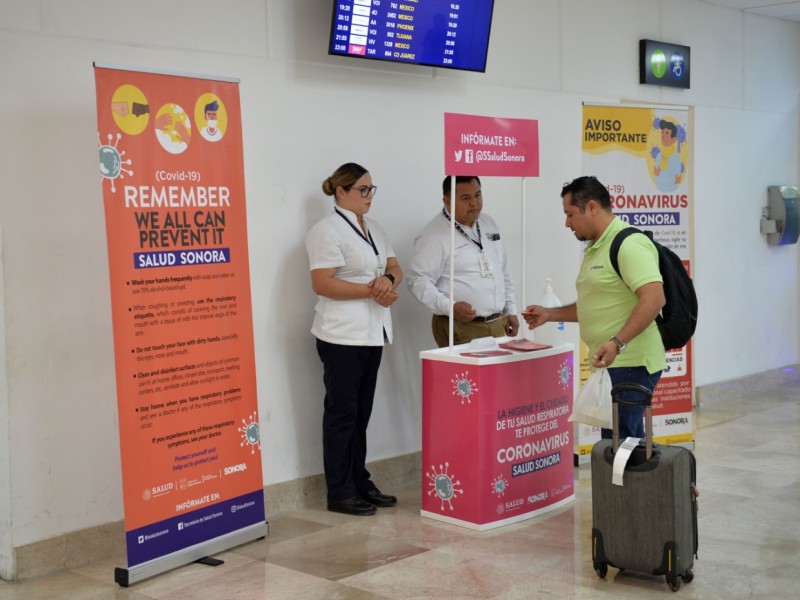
437 33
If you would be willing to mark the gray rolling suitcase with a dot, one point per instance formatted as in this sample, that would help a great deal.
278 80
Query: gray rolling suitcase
649 523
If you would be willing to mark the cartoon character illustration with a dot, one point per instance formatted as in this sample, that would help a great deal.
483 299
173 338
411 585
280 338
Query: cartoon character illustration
211 132
668 165
130 109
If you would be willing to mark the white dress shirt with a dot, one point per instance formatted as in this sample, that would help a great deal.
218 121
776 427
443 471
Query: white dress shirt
428 275
333 243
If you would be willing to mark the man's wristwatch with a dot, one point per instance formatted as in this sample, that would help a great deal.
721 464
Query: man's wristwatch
390 277
621 346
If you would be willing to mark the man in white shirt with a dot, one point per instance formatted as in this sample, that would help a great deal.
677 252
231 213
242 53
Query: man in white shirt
484 294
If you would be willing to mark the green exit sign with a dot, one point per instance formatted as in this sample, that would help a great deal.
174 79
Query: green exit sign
662 63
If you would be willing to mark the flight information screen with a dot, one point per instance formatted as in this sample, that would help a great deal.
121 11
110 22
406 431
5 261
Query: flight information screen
438 33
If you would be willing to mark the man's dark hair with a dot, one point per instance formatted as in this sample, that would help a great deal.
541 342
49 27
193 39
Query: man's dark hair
584 189
459 179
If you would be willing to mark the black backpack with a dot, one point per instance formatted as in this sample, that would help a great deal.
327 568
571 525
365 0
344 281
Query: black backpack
678 318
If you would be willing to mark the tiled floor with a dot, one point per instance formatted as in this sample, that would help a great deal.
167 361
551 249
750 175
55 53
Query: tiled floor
748 453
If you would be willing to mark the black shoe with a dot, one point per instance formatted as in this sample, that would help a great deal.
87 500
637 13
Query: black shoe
375 497
351 506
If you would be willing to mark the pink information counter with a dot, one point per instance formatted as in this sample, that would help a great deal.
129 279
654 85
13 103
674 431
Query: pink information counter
497 447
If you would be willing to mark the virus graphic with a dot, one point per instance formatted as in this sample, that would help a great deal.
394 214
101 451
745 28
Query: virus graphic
111 162
442 485
251 434
564 374
464 387
499 485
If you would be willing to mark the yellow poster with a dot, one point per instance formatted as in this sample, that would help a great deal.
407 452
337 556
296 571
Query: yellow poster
643 156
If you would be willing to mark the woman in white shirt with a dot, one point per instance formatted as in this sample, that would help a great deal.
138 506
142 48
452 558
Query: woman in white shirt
355 272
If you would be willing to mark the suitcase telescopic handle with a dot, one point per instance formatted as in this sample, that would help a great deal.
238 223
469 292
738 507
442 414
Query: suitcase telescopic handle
646 400
631 387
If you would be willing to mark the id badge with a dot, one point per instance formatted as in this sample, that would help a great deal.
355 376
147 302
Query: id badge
486 266
381 270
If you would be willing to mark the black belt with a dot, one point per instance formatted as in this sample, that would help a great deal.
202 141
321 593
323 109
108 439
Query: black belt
493 317
489 318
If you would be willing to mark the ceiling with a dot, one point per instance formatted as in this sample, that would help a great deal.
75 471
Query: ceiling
767 8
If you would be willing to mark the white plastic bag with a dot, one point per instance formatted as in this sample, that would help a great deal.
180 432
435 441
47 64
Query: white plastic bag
593 404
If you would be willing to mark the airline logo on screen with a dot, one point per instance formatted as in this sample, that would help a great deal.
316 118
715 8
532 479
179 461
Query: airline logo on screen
477 145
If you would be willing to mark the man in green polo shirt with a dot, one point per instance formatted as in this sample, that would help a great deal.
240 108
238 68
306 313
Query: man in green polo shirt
616 315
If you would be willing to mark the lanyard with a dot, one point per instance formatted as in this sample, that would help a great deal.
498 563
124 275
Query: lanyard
360 233
478 243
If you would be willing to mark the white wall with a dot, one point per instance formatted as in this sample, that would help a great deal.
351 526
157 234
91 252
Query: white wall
304 114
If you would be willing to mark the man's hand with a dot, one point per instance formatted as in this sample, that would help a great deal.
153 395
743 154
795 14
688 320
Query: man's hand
463 312
536 315
512 325
605 355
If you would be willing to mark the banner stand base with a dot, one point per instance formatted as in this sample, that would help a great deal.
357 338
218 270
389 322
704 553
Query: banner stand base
209 561
125 577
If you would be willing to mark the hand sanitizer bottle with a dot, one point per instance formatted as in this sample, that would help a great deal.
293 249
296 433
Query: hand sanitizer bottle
551 332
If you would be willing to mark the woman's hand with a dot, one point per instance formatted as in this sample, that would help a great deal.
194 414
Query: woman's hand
382 291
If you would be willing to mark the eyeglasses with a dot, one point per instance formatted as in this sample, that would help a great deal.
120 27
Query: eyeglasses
366 191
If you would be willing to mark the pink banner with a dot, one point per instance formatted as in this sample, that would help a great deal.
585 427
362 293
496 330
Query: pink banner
496 441
490 146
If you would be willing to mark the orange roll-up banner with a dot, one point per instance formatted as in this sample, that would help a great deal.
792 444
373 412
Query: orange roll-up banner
170 150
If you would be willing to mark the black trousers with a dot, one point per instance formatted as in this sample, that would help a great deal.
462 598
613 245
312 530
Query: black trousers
350 375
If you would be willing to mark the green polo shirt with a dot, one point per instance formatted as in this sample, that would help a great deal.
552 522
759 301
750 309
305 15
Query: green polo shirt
605 301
